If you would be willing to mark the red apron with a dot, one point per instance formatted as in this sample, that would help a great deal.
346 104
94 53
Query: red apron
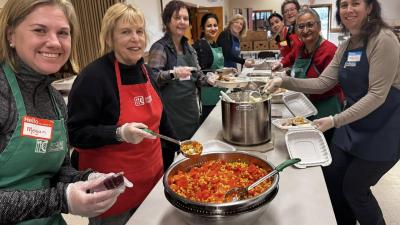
141 163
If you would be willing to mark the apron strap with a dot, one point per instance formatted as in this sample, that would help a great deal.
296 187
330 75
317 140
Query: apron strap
12 81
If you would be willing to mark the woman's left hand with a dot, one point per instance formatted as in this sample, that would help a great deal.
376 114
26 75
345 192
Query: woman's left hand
211 78
324 124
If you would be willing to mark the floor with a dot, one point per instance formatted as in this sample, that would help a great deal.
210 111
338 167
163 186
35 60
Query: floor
387 191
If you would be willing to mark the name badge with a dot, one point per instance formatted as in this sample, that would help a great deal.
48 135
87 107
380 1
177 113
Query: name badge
350 64
354 56
37 128
283 43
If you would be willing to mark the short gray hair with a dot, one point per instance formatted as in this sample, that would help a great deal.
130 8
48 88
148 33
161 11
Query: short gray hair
311 11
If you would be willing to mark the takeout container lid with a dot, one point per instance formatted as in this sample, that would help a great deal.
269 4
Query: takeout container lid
298 104
309 145
237 83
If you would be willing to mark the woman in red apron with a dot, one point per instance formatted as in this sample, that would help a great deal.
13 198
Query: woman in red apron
37 182
110 101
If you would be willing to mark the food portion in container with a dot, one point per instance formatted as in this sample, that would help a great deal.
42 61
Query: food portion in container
296 121
191 148
210 181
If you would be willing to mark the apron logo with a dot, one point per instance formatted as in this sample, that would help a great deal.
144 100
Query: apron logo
56 146
41 146
139 101
148 99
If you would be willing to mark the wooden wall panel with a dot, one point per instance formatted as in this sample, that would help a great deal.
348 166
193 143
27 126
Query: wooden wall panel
90 14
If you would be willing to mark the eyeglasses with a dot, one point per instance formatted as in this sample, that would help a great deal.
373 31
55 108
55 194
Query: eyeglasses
287 11
309 25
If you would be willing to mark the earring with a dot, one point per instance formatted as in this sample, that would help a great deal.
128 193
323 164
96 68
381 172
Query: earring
368 19
11 45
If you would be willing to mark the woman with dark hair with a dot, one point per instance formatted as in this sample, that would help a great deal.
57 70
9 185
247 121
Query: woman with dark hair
290 42
210 58
283 38
177 71
365 144
230 43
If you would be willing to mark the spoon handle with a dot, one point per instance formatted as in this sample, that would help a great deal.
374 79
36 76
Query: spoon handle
162 136
277 169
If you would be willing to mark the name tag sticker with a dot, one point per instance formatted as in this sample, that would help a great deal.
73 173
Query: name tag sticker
37 128
354 56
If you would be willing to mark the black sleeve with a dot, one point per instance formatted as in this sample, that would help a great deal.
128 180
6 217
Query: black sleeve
91 96
225 42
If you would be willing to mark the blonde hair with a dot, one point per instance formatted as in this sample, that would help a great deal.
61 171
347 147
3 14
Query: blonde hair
127 13
15 11
235 18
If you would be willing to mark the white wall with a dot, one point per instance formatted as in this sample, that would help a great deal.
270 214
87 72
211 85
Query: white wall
273 5
152 12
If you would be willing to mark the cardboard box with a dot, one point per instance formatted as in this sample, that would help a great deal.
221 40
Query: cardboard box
246 46
273 45
261 45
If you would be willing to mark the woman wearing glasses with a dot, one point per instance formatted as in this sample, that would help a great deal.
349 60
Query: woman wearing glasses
290 42
365 144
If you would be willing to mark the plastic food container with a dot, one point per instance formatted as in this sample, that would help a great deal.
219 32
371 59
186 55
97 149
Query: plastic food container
279 123
237 82
309 145
298 104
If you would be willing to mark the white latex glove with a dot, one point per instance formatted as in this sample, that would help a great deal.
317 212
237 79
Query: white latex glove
276 66
131 133
182 72
211 78
273 84
324 124
89 204
249 62
96 175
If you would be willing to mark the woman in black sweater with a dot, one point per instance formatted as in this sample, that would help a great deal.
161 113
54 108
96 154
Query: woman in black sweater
230 43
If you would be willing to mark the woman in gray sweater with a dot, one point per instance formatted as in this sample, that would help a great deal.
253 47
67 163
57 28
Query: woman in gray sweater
37 182
366 142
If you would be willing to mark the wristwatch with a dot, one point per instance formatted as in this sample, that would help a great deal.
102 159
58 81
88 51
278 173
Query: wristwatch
118 135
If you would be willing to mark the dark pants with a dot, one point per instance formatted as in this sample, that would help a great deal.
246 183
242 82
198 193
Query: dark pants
349 179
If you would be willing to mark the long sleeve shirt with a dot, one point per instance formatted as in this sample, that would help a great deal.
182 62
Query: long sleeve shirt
383 52
20 205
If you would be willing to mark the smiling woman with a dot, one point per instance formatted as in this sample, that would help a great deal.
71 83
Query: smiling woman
119 98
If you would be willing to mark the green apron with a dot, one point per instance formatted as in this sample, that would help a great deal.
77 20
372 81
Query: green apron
326 107
210 95
182 101
28 163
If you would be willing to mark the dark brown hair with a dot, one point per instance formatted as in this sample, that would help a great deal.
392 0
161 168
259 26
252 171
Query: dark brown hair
170 8
372 25
204 21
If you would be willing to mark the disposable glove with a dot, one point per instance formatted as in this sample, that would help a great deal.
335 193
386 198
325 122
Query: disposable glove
273 84
324 124
89 204
131 133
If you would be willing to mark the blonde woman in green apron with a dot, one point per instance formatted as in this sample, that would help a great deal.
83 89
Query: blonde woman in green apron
311 59
210 58
37 183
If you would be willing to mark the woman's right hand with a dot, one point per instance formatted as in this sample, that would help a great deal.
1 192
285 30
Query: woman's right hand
133 133
182 72
90 204
273 84
276 66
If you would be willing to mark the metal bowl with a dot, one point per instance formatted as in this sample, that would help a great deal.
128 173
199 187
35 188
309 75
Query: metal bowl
244 211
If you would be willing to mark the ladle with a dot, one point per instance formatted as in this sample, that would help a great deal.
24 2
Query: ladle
188 148
240 193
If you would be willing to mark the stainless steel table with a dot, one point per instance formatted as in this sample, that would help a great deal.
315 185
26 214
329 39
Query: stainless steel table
302 198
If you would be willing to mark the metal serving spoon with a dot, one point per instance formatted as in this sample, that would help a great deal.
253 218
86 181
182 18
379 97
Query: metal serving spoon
240 193
188 148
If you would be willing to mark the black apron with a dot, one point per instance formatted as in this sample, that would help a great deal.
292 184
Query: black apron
376 137
181 101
